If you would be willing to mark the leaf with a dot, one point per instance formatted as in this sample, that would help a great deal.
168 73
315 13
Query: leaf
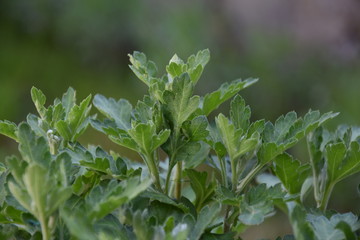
196 129
203 191
119 111
145 70
206 216
194 66
8 129
76 121
325 228
213 100
193 154
334 154
257 203
146 138
39 100
103 200
33 149
179 102
239 113
79 225
69 100
291 173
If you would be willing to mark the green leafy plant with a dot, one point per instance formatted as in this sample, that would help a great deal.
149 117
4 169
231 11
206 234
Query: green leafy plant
200 178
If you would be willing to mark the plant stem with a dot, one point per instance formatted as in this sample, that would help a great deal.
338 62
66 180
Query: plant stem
249 177
314 173
233 174
223 171
325 198
178 180
45 231
154 171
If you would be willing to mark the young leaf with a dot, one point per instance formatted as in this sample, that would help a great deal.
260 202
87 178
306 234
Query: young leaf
39 100
68 100
206 216
291 173
119 111
213 100
103 200
8 129
32 148
145 70
180 103
203 191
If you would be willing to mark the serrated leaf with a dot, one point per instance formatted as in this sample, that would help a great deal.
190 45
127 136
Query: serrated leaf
325 228
240 113
213 100
39 100
206 216
203 190
196 129
145 70
291 173
103 200
180 103
8 129
119 111
258 204
69 100
193 154
146 138
33 149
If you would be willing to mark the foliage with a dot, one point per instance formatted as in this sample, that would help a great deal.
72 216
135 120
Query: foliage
60 189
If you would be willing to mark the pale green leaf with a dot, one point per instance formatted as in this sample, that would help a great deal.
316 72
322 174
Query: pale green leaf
119 111
180 103
39 100
8 129
213 100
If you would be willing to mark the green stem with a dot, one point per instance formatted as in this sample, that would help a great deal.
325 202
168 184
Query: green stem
178 180
314 174
325 198
154 171
223 171
233 174
245 181
45 231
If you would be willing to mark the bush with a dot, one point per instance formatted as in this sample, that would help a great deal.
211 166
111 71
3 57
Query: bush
59 189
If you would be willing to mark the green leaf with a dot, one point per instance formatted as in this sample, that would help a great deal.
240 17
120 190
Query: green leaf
103 200
8 129
257 203
203 191
334 154
180 103
205 218
145 70
196 129
39 100
146 138
119 111
33 149
193 154
69 100
213 100
78 224
194 66
240 113
325 228
291 173
76 121
346 166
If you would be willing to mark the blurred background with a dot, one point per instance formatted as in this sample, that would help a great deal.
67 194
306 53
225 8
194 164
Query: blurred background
306 54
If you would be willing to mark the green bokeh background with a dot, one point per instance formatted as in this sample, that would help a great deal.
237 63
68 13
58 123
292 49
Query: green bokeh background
54 44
